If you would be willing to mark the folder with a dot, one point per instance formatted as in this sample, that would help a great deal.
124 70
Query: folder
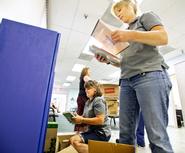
27 61
69 116
102 35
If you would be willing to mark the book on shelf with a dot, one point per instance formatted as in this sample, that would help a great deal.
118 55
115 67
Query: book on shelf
69 116
104 45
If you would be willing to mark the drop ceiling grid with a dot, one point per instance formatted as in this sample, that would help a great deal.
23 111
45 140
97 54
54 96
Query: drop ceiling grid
77 42
62 12
101 70
77 29
180 43
156 6
94 10
65 33
173 35
174 15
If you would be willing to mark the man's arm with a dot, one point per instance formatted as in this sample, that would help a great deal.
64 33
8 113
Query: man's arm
155 37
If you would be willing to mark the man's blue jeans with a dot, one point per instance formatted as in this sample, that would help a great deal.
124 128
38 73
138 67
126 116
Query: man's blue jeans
140 133
149 92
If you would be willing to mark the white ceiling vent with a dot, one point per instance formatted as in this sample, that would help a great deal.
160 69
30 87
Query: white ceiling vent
85 57
107 81
174 54
166 49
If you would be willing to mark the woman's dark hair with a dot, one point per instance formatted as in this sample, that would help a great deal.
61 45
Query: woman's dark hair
84 72
93 84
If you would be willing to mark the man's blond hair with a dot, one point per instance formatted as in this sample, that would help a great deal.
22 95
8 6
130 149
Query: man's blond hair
119 4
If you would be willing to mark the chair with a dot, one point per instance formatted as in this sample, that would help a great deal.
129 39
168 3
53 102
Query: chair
52 115
113 117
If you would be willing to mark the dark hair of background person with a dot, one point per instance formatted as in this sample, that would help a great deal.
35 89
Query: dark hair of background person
84 72
94 84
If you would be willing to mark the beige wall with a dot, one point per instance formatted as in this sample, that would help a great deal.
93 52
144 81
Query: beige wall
27 11
180 74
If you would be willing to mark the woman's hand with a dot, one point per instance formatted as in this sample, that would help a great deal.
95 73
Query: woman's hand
101 59
104 60
77 119
121 36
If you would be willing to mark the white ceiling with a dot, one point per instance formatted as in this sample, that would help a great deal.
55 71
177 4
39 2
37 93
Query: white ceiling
27 11
67 17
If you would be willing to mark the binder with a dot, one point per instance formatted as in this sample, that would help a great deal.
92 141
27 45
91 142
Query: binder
69 116
102 36
27 61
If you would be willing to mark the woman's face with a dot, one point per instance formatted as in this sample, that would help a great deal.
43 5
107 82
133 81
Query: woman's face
88 72
125 13
90 92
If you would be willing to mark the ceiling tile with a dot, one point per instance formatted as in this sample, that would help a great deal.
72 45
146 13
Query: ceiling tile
67 17
93 9
65 33
77 42
62 12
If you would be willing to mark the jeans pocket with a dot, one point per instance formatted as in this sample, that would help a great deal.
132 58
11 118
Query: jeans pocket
167 79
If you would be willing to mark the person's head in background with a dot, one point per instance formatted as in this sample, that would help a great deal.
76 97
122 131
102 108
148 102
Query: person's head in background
125 10
92 89
85 72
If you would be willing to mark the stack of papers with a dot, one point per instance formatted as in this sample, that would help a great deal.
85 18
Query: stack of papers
113 59
105 46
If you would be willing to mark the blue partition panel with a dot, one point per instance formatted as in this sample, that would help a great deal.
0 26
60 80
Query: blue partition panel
27 60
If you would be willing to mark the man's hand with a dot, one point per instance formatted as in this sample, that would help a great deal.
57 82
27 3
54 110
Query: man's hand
101 59
121 36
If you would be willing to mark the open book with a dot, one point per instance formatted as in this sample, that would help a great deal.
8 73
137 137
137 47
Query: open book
104 44
113 59
69 116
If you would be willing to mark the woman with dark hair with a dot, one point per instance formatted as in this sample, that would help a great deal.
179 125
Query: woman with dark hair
94 116
82 98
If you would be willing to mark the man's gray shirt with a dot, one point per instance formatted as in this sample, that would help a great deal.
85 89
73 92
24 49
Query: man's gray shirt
139 57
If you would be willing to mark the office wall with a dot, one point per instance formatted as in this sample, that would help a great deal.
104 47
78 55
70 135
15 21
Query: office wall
27 11
180 73
72 100
60 101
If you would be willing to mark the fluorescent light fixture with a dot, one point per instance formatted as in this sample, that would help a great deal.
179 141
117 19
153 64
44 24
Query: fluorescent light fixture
92 41
138 1
66 84
115 74
78 67
102 82
115 1
71 78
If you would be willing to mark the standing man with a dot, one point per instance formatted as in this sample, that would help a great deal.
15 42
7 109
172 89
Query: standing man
144 82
